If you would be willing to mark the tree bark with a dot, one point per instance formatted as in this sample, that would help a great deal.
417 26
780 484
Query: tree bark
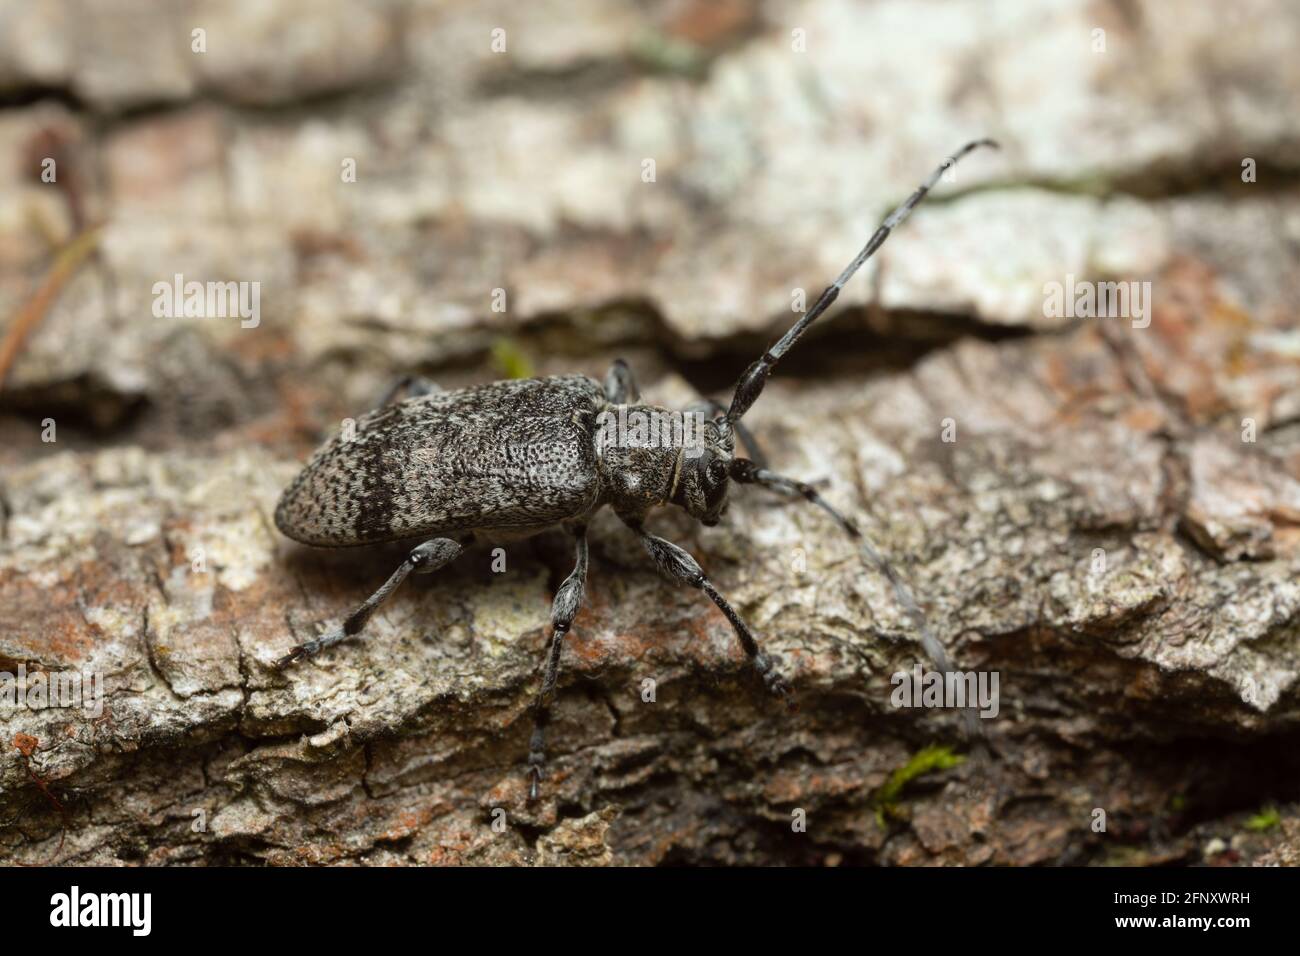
1103 512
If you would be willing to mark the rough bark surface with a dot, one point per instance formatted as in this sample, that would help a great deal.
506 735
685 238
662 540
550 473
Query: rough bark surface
1102 511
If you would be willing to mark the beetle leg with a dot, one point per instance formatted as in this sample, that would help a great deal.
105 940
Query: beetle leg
430 556
413 385
677 563
620 384
568 599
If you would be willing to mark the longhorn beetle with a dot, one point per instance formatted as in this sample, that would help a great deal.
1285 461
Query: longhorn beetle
519 457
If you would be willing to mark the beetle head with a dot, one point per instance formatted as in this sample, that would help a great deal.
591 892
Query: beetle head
701 486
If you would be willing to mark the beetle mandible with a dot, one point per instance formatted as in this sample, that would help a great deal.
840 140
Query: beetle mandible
519 457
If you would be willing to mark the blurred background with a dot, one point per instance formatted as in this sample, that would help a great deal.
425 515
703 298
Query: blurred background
473 191
497 147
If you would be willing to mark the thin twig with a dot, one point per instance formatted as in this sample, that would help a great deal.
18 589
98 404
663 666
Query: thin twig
66 264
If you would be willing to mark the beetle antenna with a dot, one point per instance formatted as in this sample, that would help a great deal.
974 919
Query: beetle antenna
751 383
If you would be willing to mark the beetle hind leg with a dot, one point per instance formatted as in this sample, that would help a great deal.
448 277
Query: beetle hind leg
430 556
568 599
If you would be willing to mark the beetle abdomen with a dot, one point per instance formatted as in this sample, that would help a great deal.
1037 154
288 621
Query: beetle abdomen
510 456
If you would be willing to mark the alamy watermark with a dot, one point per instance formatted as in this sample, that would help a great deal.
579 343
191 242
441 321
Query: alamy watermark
651 428
208 300
547 464
41 690
75 908
1084 299
956 689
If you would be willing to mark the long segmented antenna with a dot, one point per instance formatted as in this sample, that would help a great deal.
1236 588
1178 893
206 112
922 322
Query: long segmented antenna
751 473
751 383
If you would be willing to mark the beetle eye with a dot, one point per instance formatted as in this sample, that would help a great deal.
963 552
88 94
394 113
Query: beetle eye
717 470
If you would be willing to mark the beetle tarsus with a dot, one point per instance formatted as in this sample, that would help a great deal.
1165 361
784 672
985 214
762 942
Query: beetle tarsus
563 610
327 638
297 654
534 783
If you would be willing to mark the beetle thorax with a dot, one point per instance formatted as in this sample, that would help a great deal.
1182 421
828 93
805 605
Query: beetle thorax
651 456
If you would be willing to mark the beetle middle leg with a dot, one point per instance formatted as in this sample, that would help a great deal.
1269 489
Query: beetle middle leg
620 384
430 556
413 385
568 599
676 562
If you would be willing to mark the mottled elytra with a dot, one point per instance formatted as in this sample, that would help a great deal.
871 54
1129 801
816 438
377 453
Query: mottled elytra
519 457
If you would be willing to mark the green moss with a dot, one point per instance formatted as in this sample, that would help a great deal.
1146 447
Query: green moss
936 757
511 360
665 54
1125 856
1265 820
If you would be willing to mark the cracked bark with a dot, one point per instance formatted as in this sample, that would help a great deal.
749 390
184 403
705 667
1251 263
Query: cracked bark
1101 533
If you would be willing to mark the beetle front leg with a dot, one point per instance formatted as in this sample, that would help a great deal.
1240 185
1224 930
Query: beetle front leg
568 599
428 557
677 563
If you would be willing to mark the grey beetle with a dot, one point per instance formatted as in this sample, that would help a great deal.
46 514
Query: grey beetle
519 457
